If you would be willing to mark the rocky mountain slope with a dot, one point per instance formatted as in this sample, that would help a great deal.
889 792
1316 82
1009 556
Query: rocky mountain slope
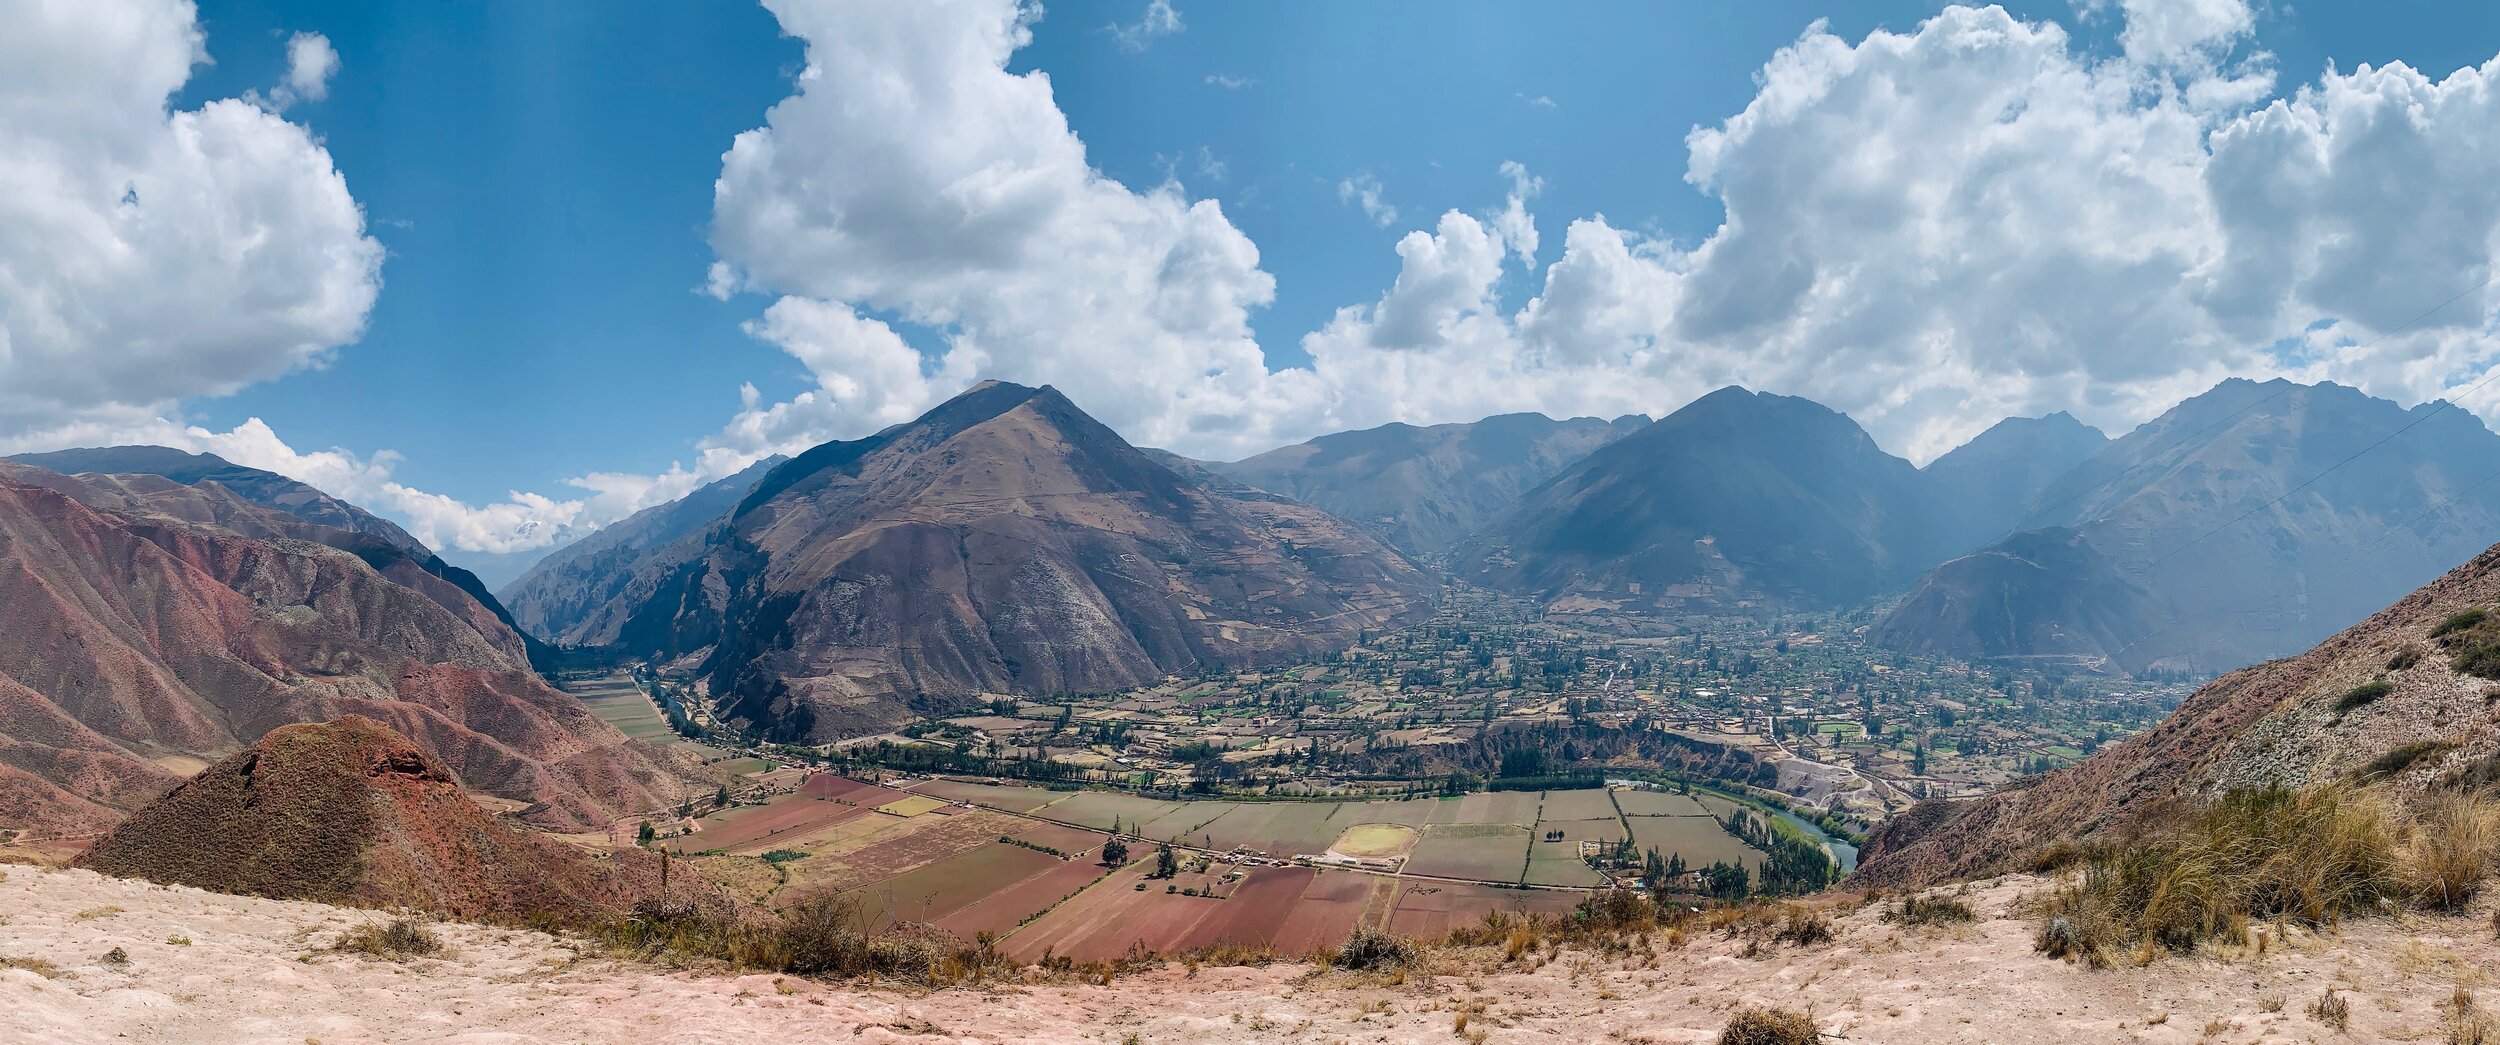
1004 542
152 626
349 812
1738 499
562 596
1425 489
2402 700
2229 530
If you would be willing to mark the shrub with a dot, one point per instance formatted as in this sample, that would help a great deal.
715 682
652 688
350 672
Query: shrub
2309 857
38 966
2454 846
2462 620
1803 928
2481 661
2363 694
1764 1025
783 856
1373 950
2404 658
2332 1010
2400 758
398 938
1939 910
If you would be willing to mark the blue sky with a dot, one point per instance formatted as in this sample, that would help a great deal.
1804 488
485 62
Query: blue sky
540 180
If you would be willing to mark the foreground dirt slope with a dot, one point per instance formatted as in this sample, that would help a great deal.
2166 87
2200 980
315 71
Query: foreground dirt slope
257 970
2295 722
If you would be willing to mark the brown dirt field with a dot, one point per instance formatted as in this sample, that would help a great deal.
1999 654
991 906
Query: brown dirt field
1429 910
886 851
830 785
1376 841
1658 803
1004 910
783 823
1605 829
1486 852
1582 804
1008 797
1559 863
1110 917
1699 839
934 890
1293 910
1068 840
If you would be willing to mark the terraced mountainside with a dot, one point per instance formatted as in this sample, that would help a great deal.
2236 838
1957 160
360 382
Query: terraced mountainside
157 626
2401 701
1426 488
349 812
1004 542
2246 523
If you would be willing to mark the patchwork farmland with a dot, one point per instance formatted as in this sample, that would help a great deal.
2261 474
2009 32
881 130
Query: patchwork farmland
1022 865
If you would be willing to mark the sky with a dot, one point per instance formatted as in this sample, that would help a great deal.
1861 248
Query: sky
509 272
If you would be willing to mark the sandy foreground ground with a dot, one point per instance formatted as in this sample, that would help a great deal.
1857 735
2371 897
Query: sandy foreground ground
258 971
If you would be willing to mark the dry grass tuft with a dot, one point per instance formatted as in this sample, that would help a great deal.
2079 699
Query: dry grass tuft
2331 1010
2455 844
38 966
1371 950
1925 910
399 938
1764 1025
2310 858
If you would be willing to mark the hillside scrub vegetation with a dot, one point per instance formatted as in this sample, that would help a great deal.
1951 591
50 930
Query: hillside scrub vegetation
2309 858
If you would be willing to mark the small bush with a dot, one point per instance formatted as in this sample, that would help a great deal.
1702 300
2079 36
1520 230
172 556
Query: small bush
398 938
783 856
1804 928
116 957
2363 694
1940 910
2480 661
38 966
2400 758
1764 1025
2454 846
1371 950
2332 1010
2404 658
2463 620
2308 857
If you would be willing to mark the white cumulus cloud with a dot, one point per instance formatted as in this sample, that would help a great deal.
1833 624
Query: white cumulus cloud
149 254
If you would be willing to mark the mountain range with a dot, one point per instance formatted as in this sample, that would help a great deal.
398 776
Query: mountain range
1425 489
1743 500
2246 523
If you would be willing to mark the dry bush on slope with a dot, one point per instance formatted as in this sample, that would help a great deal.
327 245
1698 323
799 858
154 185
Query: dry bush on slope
1763 1025
398 938
2311 858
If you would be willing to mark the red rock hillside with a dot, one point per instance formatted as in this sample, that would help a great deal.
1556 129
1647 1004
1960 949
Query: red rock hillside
143 636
